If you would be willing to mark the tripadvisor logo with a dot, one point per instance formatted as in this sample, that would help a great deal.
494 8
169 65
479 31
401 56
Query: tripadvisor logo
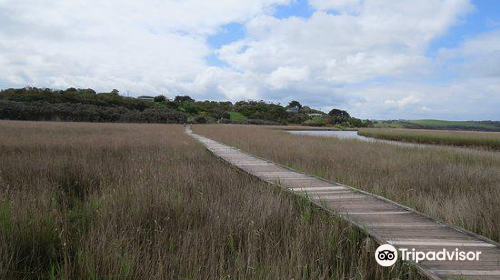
387 255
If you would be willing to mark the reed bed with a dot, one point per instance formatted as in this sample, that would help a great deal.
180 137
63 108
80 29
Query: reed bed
128 201
485 140
458 186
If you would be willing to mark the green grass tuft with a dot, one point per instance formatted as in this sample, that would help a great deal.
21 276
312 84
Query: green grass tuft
236 116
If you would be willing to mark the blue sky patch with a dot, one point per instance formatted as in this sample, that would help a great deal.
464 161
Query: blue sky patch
228 33
213 60
485 17
298 8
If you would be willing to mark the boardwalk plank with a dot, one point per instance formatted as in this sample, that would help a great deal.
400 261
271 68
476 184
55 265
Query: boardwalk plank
386 221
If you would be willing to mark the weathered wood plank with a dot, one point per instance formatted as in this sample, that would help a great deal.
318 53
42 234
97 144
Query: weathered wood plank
385 220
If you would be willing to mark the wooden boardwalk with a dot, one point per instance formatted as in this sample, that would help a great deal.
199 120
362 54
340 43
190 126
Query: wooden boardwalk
386 221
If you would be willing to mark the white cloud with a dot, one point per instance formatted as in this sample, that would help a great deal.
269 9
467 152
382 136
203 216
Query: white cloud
478 56
282 76
343 52
127 44
343 5
402 103
383 39
367 56
465 99
216 82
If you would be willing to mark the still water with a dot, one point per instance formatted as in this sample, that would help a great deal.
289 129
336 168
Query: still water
351 135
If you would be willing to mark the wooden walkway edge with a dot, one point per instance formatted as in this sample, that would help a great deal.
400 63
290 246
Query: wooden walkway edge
384 220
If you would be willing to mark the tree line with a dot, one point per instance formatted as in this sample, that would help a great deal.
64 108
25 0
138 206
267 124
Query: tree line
86 105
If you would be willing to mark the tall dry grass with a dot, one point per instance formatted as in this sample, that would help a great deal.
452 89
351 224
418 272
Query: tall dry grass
123 201
459 186
487 140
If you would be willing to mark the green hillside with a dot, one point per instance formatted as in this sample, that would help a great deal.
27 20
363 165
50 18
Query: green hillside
441 124
236 116
87 105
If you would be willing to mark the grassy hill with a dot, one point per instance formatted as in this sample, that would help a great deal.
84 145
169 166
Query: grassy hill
441 124
236 116
87 105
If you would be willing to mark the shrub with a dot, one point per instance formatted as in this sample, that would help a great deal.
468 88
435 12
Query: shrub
160 98
183 98
77 112
200 119
155 116
339 116
259 122
316 121
188 107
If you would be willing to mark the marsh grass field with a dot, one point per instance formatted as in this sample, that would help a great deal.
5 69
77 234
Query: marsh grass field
129 201
458 186
484 140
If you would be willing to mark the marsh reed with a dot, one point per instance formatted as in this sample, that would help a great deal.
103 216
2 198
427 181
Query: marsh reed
459 186
473 139
129 201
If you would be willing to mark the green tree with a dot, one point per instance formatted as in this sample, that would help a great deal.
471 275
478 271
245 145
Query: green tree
339 116
183 98
160 98
294 103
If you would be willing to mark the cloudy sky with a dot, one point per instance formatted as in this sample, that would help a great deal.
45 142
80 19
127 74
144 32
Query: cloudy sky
379 59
